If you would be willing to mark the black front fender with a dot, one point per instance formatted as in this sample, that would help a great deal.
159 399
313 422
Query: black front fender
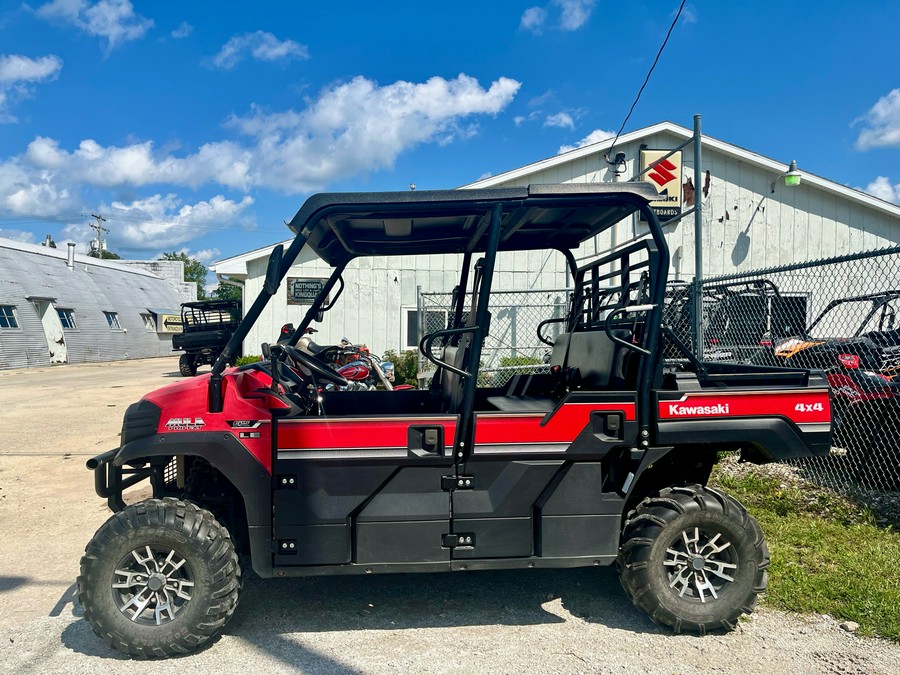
224 452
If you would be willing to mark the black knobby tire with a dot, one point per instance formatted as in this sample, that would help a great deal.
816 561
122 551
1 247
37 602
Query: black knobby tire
197 599
678 551
187 365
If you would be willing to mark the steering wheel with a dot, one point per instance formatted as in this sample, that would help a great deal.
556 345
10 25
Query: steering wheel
318 369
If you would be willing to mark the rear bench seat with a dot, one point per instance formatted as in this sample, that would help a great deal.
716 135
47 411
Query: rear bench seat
587 360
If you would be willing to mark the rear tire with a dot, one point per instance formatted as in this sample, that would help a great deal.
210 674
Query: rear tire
693 559
187 365
159 578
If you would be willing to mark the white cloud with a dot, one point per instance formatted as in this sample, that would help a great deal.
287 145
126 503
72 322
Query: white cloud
109 166
881 187
260 45
18 74
206 256
162 221
15 68
27 192
594 137
881 125
17 235
567 15
350 128
183 30
574 13
538 101
563 120
113 20
688 14
533 19
360 126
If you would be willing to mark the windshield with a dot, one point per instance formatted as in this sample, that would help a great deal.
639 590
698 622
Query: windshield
854 317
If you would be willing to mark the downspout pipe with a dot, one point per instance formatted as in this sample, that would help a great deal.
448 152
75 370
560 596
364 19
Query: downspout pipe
222 279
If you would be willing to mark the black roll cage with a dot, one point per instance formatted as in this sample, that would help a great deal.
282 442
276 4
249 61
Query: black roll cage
314 219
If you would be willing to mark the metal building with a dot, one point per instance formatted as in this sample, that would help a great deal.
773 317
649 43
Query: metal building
751 220
57 306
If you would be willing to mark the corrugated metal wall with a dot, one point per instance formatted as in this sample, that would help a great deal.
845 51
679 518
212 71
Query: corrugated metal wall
92 288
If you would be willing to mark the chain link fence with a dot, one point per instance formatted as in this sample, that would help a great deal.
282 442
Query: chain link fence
512 347
840 315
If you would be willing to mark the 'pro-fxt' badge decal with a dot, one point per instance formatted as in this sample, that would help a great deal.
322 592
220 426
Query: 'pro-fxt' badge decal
185 423
244 424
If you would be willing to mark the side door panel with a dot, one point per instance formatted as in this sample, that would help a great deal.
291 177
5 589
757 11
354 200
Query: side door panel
537 479
361 490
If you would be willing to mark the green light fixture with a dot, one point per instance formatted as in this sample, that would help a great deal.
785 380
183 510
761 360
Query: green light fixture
792 177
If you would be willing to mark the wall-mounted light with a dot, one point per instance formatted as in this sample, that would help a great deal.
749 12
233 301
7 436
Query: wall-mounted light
791 177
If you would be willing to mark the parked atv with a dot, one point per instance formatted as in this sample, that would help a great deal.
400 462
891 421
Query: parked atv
207 326
602 460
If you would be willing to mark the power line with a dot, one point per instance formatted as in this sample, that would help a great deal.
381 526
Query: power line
646 80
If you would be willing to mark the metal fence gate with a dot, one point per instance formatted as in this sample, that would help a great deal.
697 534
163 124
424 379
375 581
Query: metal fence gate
840 315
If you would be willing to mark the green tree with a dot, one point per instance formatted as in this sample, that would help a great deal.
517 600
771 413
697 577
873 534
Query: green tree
227 292
406 366
104 254
194 270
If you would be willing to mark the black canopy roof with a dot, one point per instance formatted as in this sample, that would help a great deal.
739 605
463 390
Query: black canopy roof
342 226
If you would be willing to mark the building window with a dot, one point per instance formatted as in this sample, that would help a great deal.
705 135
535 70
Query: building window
112 318
149 323
67 319
435 319
8 317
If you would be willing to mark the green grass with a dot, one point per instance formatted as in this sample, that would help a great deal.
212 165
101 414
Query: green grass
828 556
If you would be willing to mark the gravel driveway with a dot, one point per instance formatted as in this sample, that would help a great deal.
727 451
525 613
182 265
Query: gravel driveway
541 621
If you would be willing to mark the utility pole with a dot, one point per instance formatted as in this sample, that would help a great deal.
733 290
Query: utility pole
100 230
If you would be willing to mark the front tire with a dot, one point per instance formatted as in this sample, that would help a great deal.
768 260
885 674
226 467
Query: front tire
187 365
693 559
159 578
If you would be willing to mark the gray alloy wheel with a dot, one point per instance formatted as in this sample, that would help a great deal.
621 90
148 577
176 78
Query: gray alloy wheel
159 578
693 559
151 585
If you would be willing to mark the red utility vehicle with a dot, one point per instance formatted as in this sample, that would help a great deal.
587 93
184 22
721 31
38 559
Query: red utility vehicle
602 460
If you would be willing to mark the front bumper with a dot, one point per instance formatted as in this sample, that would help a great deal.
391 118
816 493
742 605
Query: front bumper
112 479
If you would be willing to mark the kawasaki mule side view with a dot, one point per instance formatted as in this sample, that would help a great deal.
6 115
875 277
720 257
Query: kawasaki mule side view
602 460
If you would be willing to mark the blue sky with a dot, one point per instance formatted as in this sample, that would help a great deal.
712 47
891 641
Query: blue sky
200 127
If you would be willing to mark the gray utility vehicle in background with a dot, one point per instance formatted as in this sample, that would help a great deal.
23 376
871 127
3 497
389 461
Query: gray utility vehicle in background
603 460
206 326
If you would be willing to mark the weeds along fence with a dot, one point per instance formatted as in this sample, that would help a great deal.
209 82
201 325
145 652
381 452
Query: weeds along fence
840 315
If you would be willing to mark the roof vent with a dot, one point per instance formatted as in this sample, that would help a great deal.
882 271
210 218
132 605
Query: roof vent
71 261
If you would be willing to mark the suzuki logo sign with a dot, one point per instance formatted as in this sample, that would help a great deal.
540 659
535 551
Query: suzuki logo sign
666 177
